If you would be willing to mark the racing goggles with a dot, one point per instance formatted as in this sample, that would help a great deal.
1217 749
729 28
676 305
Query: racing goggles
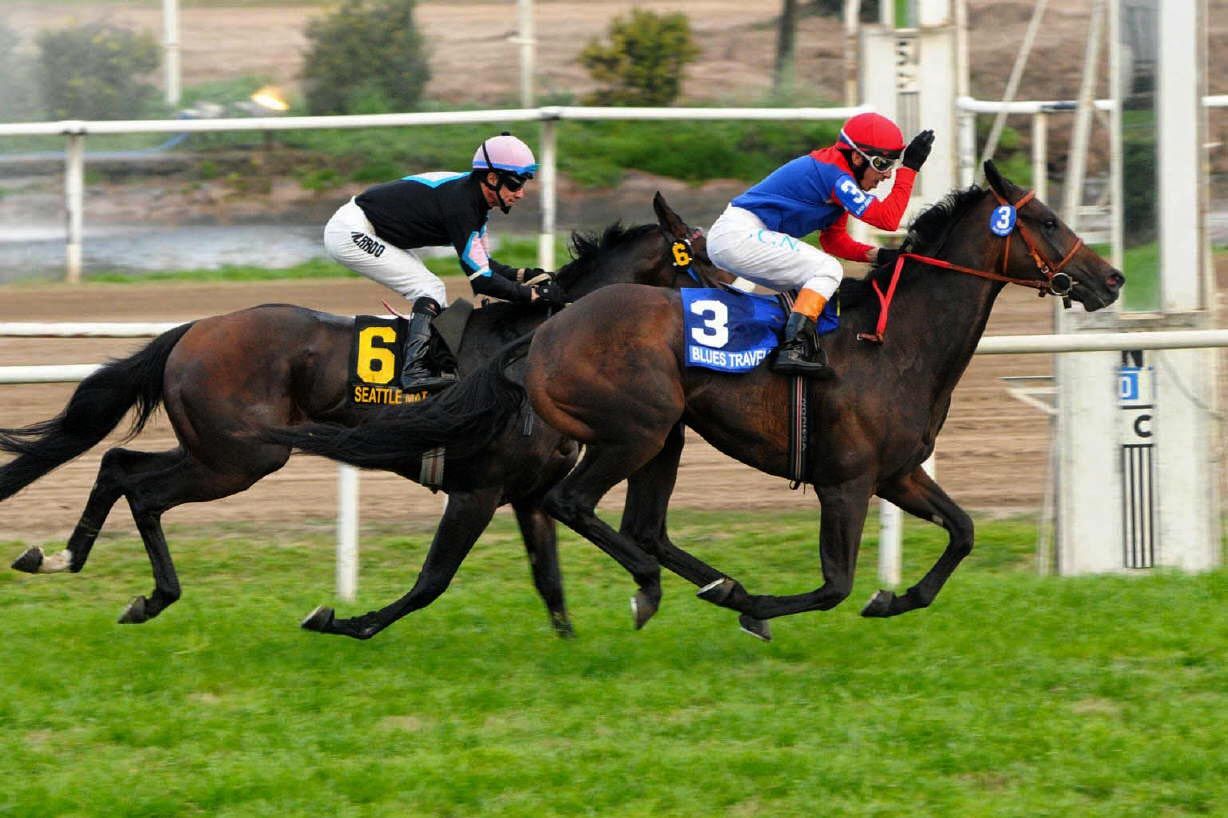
881 164
513 181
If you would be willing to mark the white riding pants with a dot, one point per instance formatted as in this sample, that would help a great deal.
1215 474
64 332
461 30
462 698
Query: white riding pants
739 243
350 240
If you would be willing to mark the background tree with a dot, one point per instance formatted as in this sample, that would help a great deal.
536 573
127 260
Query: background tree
644 61
367 57
96 71
17 97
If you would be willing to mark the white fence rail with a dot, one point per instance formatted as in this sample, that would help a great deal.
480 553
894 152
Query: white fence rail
347 479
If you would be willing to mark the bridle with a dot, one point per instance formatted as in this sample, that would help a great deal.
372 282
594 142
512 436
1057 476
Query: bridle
1056 281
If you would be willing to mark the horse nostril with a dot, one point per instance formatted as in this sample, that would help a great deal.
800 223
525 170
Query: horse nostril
1116 280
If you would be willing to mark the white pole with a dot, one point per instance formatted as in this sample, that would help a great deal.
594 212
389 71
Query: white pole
852 26
545 240
170 27
890 539
1040 153
528 46
347 533
1012 83
74 194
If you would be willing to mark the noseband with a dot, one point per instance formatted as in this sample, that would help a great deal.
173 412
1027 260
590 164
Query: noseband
1056 282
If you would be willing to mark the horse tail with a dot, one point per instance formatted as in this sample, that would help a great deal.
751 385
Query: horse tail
465 419
96 407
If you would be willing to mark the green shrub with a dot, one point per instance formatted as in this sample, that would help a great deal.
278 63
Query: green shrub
367 57
96 71
17 101
644 61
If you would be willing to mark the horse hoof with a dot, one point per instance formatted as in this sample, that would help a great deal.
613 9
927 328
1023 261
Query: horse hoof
718 591
642 608
879 604
319 619
30 561
757 628
562 626
135 613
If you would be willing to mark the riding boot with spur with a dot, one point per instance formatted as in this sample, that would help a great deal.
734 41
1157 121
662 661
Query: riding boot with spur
799 353
417 376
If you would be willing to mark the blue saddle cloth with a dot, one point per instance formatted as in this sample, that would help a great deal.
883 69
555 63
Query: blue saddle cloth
732 331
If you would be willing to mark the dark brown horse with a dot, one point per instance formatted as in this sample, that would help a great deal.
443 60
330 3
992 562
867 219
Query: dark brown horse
609 373
224 380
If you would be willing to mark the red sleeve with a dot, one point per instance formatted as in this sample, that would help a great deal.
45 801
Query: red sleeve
837 241
885 214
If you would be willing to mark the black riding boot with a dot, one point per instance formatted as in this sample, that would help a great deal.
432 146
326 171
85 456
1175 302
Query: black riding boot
799 353
416 376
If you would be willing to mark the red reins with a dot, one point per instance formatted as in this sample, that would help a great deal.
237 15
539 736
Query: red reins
1056 282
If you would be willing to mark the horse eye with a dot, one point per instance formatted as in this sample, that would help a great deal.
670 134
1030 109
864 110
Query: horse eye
1050 223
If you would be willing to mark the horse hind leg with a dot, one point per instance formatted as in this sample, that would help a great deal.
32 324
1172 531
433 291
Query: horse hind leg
153 483
574 500
464 519
919 495
541 544
107 489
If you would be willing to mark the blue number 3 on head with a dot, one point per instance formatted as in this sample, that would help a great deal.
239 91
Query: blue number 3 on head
1002 220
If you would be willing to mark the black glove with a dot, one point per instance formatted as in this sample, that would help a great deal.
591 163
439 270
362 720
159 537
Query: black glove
549 292
918 150
886 257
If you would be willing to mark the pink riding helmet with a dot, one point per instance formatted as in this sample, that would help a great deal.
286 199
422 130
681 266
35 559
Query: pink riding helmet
505 153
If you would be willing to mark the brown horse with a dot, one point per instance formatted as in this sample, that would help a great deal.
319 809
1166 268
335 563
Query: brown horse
609 373
224 380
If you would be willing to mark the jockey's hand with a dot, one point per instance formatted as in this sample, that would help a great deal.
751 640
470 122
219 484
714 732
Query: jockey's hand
533 275
918 150
550 293
886 257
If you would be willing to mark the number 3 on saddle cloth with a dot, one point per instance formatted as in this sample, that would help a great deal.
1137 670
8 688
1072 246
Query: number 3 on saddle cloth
734 331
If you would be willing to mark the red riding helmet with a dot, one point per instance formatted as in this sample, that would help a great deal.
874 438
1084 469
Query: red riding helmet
872 134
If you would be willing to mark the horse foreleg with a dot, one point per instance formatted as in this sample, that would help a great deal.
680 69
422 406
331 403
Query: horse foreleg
919 495
464 519
541 544
840 527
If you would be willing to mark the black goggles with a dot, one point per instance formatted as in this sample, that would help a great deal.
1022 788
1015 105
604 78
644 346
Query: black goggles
513 181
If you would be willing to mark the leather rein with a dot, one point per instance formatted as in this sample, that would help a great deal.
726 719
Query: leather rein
1056 282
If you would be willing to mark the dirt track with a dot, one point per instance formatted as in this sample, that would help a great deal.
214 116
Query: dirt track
992 452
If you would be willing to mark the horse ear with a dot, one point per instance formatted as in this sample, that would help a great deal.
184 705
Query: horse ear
670 222
996 180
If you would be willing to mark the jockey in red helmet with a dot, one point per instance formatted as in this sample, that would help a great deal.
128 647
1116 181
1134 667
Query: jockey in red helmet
757 235
375 234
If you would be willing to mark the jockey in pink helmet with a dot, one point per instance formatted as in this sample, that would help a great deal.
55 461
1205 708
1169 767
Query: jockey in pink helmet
758 235
376 233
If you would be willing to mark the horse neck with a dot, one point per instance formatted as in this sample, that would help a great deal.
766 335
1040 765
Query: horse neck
952 311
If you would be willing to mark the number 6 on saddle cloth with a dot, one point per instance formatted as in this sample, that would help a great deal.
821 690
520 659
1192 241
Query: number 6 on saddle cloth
734 331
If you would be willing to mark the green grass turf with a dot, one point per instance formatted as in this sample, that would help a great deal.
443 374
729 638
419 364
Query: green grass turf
1014 695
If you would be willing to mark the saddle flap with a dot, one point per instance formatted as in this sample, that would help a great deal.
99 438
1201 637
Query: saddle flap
450 324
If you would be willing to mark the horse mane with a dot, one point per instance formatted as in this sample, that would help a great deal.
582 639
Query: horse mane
927 234
587 247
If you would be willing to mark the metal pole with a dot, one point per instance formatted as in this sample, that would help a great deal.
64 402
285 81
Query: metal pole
170 27
347 533
528 45
545 240
852 25
74 194
1012 83
1117 210
1076 170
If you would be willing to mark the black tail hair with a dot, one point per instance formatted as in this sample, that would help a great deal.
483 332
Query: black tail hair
465 418
95 408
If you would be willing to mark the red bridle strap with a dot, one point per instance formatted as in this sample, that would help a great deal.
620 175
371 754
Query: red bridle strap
1046 287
